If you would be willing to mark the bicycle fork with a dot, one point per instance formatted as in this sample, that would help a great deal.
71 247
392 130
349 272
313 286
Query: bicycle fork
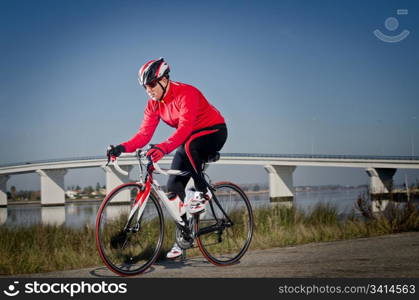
139 205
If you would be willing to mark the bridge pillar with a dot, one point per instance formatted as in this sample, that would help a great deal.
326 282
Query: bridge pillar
52 186
381 183
381 180
114 178
281 187
3 190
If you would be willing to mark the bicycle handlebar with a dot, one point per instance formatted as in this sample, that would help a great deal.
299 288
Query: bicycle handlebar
142 154
118 168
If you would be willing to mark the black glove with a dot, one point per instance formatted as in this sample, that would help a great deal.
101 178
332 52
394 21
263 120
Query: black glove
115 151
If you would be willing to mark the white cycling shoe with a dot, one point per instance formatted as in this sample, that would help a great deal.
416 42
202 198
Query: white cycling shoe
198 202
175 252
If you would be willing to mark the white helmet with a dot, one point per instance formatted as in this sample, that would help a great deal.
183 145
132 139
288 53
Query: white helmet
153 71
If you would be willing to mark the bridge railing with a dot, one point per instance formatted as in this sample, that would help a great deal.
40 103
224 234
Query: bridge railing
238 155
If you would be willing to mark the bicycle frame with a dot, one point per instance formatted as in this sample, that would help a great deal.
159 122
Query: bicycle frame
150 185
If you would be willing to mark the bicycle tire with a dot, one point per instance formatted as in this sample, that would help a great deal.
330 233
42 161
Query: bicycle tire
128 253
225 247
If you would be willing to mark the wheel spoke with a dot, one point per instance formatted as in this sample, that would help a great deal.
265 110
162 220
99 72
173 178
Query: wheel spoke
228 244
129 251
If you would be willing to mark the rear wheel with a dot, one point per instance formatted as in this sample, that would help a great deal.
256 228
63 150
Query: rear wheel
225 230
129 247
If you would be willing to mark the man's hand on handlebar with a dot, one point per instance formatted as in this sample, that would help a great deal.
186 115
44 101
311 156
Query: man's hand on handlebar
114 152
156 153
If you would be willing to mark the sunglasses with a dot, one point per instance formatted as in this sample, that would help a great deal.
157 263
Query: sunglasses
152 84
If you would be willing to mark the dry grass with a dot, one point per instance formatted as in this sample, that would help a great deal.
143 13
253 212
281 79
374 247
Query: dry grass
44 248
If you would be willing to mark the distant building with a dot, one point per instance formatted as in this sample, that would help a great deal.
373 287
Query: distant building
71 194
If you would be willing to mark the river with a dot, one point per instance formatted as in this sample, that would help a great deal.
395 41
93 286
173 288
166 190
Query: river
83 213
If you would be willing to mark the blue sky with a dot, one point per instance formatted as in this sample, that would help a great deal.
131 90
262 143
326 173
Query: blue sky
289 76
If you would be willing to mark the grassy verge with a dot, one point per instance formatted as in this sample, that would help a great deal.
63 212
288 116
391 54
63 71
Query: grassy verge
281 226
44 248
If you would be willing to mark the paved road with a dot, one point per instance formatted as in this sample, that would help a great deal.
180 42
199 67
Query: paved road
393 256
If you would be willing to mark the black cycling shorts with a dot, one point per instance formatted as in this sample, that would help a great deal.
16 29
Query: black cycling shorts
192 154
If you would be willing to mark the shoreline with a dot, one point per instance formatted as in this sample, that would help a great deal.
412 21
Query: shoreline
397 195
67 201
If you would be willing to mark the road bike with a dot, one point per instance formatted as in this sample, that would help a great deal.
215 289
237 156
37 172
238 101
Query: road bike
130 221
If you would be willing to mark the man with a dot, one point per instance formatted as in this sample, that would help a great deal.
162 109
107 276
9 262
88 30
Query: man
200 132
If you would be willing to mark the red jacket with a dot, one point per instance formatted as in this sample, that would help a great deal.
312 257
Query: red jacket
184 108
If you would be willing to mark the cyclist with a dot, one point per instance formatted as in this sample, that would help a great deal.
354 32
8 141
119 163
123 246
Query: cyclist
200 132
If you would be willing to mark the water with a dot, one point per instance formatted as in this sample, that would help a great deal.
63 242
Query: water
343 199
77 215
74 215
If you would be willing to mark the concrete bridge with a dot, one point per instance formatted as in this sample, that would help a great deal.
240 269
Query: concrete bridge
280 168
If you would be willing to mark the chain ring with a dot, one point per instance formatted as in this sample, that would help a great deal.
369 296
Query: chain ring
181 241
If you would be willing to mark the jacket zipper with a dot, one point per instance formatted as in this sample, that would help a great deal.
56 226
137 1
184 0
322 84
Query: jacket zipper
170 116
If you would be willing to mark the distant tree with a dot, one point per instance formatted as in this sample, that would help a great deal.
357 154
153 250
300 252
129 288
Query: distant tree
35 196
13 192
27 195
78 188
88 190
256 188
22 195
97 187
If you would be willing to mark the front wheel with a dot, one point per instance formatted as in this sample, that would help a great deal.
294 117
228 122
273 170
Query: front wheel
225 231
129 246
